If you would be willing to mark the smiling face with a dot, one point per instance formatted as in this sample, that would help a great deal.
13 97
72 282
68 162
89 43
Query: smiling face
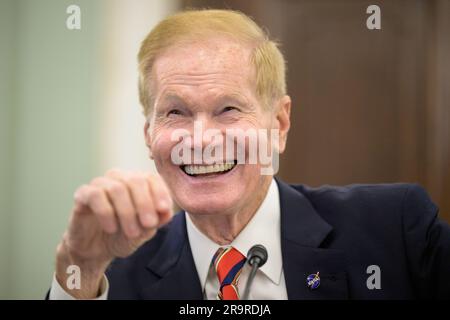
211 83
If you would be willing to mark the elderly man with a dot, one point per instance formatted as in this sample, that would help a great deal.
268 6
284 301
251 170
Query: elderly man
219 70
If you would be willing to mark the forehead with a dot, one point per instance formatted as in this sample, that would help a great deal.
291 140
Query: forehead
218 61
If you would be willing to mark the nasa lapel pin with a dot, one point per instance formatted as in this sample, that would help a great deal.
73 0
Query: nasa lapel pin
313 281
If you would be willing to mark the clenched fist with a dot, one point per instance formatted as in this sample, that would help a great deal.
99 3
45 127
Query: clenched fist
112 217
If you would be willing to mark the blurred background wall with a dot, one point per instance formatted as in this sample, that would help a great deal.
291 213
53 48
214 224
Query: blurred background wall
368 106
68 111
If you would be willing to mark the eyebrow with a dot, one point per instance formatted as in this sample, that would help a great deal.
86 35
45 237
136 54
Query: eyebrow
172 97
234 97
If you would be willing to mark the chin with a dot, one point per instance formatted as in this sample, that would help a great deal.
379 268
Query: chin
207 204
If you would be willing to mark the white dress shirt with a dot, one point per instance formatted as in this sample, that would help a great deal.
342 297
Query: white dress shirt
264 228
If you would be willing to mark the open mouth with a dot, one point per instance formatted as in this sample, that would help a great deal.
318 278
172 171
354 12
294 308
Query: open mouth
208 170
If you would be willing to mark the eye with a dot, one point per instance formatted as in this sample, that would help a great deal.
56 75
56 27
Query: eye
229 108
175 112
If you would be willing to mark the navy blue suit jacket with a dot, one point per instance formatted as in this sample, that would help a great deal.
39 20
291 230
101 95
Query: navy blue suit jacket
338 231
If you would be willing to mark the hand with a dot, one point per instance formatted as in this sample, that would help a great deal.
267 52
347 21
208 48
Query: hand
112 217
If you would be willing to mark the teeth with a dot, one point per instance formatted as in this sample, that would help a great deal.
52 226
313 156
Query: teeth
203 169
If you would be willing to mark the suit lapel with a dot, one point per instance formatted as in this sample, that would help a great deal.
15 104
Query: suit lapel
175 266
302 233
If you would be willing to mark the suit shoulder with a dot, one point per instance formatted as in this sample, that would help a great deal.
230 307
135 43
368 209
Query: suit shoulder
360 192
371 213
371 201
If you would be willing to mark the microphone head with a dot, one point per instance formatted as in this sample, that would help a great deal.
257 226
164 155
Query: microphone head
257 253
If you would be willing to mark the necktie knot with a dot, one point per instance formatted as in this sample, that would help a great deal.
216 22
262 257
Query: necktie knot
228 263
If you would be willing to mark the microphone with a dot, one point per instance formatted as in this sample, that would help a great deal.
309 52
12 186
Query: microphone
256 258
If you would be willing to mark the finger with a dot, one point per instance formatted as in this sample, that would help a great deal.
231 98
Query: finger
120 198
161 198
149 233
96 200
141 195
142 199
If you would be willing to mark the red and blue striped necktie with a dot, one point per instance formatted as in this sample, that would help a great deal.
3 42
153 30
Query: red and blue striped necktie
228 263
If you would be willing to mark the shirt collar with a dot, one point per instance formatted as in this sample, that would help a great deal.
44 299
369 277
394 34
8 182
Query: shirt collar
263 228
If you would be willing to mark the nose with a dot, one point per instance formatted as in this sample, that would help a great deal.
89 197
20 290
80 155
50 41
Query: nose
207 140
205 131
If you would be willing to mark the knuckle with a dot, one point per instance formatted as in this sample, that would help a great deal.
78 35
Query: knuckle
116 189
136 179
94 193
156 185
97 180
80 190
151 177
114 172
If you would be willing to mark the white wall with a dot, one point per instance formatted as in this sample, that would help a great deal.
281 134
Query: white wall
121 120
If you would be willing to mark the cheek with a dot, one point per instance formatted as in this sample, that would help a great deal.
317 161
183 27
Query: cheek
261 128
162 146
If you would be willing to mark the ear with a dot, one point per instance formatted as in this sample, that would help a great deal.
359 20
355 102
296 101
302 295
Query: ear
283 114
148 139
